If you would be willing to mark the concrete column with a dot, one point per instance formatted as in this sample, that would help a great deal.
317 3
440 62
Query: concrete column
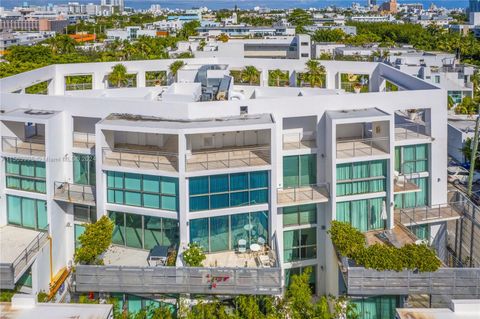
182 191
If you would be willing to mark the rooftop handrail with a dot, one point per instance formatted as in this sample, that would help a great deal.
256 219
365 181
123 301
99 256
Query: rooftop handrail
359 145
27 254
305 190
237 149
228 158
86 192
407 129
13 142
298 138
78 86
138 161
89 138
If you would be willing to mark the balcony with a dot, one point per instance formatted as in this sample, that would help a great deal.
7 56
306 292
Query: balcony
196 280
32 146
300 195
83 140
407 131
75 193
427 215
297 141
348 148
141 159
19 248
403 185
447 283
228 158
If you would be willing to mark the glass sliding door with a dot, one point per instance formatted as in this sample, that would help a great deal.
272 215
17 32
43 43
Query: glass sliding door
143 232
365 214
83 169
219 233
299 170
199 232
27 212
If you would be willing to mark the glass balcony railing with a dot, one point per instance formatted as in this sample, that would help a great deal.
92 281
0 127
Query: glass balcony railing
151 160
32 146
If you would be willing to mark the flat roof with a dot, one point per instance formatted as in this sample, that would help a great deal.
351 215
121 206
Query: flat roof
159 122
363 113
33 114
463 125
57 311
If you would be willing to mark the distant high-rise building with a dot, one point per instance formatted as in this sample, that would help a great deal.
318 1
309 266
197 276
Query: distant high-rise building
117 3
474 6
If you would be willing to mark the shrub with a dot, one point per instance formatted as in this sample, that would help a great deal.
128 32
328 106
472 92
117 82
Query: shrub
194 255
350 242
42 296
94 241
172 258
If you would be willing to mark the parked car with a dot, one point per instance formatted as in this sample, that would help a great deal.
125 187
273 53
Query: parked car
459 175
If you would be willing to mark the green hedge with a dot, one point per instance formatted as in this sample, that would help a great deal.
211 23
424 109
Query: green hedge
350 242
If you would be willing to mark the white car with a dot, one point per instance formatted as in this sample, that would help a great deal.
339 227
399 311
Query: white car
459 175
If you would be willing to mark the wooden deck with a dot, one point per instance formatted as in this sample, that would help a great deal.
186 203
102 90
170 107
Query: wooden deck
398 237
426 215
405 187
302 195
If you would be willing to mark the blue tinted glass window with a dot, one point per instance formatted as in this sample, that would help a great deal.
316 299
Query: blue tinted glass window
198 185
259 196
259 179
219 201
219 183
239 199
238 181
198 203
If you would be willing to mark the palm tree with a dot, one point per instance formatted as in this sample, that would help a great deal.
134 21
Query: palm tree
250 74
277 75
118 77
315 73
174 67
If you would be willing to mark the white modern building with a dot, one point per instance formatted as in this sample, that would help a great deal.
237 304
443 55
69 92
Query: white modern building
253 173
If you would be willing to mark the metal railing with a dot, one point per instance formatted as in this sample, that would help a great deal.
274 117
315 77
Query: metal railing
75 193
423 215
451 282
29 252
84 140
254 156
359 147
18 146
411 130
162 279
159 82
78 86
140 159
306 193
298 141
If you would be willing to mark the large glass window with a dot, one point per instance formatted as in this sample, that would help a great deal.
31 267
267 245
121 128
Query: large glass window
144 232
414 199
83 169
411 158
299 170
83 213
142 190
361 177
25 175
228 190
223 232
27 212
299 215
365 214
380 307
300 244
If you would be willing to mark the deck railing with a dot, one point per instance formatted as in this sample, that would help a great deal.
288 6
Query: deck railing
218 159
78 86
307 193
84 140
75 193
411 130
19 146
422 215
141 159
298 141
162 279
359 147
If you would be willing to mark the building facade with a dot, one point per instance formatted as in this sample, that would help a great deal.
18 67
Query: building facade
252 173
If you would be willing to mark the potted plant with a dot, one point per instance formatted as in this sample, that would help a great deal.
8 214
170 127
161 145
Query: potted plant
357 87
